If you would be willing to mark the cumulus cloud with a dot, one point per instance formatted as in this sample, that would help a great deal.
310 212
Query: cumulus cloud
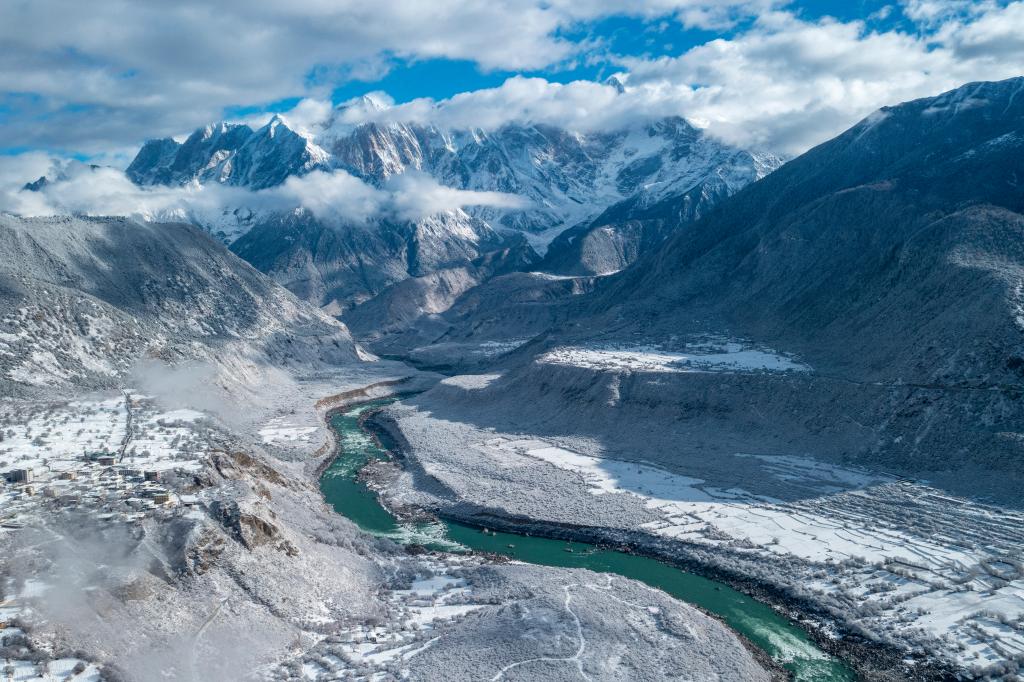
15 171
338 197
788 84
329 196
785 84
580 105
139 69
937 11
414 195
111 73
77 188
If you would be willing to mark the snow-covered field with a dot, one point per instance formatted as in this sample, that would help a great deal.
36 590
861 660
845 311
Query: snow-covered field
280 430
57 436
437 595
56 670
906 555
434 596
705 356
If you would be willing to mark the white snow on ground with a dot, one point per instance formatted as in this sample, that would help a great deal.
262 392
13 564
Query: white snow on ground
471 382
491 349
13 639
45 348
908 556
436 597
57 436
280 430
58 670
60 432
104 455
727 356
164 440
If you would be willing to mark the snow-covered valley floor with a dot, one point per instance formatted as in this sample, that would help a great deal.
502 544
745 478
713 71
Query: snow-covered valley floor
709 355
896 560
148 542
907 555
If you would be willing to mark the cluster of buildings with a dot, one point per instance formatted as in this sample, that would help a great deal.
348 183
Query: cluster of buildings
98 482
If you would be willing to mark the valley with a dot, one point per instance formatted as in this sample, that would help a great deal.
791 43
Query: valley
381 394
872 559
785 644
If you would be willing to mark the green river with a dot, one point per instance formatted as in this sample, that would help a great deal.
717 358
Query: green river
784 642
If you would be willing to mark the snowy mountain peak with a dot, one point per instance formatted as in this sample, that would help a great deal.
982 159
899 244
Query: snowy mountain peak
568 177
275 122
614 82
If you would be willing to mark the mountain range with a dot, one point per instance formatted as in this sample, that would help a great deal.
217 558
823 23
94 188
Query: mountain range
889 259
617 190
804 379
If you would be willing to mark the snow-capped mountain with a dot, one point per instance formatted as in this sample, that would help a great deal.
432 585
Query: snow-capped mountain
228 153
566 179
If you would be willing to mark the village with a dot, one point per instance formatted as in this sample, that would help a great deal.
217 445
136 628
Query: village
111 460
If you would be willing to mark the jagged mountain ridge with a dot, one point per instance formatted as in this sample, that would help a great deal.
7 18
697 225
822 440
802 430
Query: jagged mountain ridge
567 176
228 153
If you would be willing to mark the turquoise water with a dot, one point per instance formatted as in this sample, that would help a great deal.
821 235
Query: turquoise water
786 643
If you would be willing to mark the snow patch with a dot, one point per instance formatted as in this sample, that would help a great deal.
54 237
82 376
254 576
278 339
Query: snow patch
730 356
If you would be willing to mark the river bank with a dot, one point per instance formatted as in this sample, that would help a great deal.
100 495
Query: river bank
741 612
867 659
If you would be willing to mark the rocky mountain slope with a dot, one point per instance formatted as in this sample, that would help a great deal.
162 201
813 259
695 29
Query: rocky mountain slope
850 326
631 228
339 267
888 259
87 299
893 249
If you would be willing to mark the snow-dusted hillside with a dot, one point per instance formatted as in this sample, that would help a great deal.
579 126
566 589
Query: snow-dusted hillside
85 300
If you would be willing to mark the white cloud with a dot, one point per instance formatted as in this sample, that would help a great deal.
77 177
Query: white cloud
140 69
415 195
937 11
785 84
335 197
578 105
330 196
788 84
15 171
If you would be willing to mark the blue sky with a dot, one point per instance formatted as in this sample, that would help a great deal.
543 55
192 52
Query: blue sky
94 80
618 35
